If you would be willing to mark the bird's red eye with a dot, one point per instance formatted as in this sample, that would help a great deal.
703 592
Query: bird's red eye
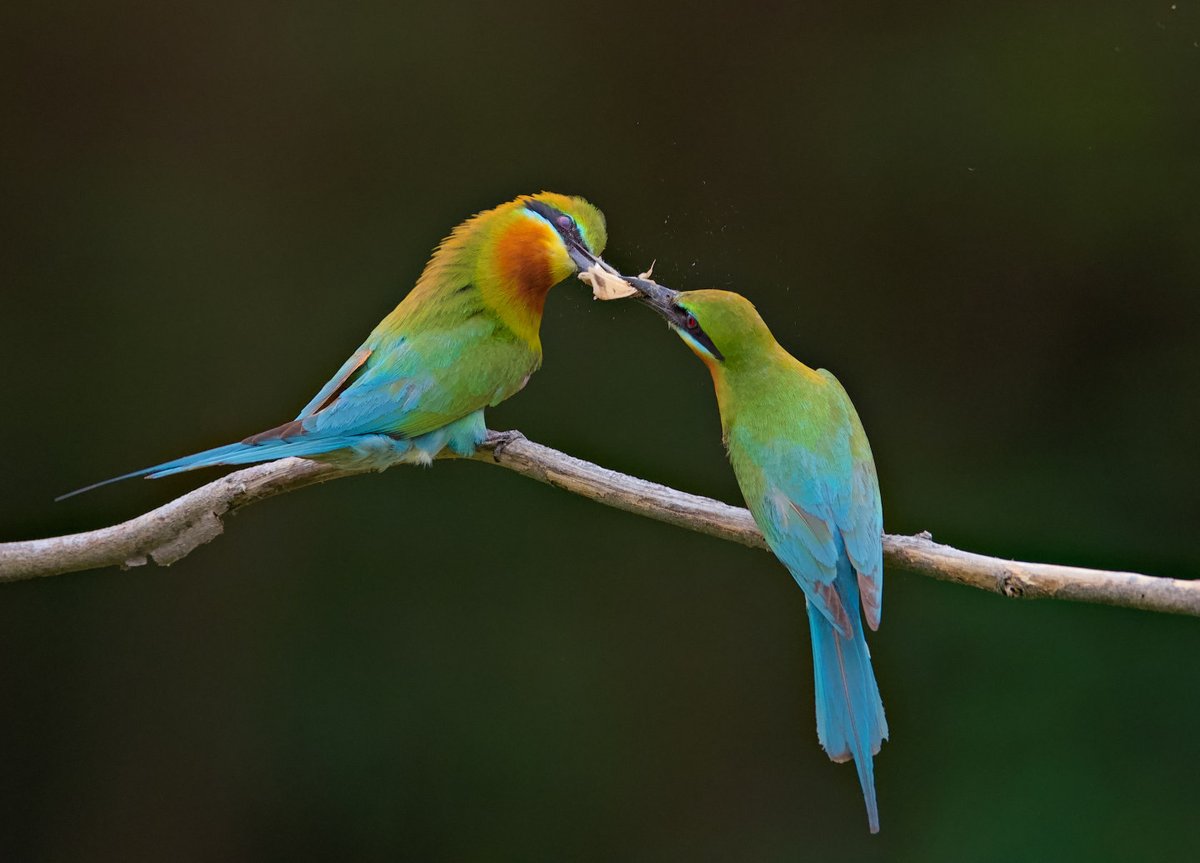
690 322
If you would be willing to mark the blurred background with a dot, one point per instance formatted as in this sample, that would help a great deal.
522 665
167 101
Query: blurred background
984 219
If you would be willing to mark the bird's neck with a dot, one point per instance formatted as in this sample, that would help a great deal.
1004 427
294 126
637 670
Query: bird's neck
502 264
515 268
747 384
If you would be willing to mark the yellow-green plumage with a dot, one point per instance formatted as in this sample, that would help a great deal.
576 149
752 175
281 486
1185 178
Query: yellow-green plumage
805 468
465 338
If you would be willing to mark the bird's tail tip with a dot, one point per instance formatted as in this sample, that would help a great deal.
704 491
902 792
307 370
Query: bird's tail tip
241 453
237 453
850 718
872 804
102 483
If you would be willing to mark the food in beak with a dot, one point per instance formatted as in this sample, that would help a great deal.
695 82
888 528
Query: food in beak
606 285
611 285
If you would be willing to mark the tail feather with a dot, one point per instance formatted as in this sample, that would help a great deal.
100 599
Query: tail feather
362 450
230 454
850 720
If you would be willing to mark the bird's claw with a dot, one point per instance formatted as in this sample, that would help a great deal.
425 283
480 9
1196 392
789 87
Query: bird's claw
502 440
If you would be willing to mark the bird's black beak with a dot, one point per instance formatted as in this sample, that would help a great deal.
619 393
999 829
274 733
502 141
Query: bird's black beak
657 297
582 257
666 302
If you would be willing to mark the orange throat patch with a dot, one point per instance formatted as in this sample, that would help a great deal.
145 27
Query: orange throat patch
525 265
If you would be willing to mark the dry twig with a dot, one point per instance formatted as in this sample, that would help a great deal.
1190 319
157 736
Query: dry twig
170 532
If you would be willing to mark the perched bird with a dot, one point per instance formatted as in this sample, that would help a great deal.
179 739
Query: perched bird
805 469
464 339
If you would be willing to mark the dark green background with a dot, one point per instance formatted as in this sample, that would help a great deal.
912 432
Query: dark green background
985 220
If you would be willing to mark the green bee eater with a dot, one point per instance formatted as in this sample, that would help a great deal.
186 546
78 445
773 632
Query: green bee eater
464 339
804 466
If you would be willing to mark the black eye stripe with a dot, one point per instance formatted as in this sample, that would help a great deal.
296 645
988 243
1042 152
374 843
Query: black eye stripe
695 331
562 222
544 210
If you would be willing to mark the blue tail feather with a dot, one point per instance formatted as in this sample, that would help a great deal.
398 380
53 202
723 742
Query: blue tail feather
850 720
230 454
240 453
367 451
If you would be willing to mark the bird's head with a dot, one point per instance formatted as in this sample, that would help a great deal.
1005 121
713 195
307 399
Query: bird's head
513 254
527 246
720 327
579 228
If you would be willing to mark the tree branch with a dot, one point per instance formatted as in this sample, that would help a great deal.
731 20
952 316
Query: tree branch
170 532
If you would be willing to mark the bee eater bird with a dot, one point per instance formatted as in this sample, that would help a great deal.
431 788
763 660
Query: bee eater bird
465 338
804 466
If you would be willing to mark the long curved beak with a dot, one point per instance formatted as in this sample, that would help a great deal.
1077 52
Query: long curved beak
585 260
656 296
666 302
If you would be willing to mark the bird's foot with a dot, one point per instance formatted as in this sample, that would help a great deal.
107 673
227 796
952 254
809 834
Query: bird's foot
499 441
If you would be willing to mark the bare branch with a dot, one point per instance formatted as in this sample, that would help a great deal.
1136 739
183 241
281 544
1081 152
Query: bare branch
163 535
170 532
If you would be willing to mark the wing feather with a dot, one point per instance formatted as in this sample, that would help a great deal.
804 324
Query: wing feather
412 384
860 516
815 502
337 384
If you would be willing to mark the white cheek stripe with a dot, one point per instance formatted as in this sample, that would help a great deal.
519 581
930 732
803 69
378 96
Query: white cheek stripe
691 341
